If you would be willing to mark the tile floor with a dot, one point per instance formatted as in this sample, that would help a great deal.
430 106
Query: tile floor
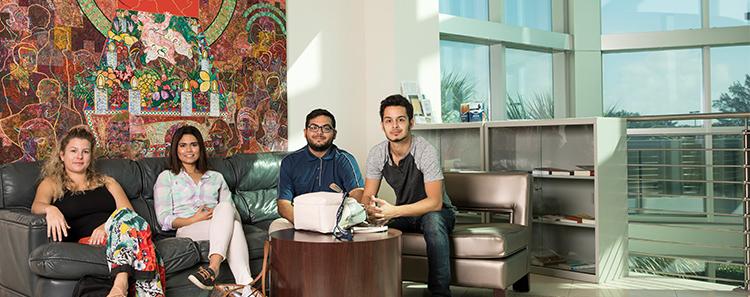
632 286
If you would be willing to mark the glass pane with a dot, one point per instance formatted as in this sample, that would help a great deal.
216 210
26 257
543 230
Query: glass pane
464 77
623 16
459 149
730 82
731 273
529 85
728 13
727 158
664 174
475 9
656 82
514 148
536 14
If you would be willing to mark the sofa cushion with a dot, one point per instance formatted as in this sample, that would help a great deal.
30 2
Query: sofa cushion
67 260
255 196
19 181
475 241
256 206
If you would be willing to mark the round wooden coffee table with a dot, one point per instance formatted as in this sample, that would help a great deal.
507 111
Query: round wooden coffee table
313 264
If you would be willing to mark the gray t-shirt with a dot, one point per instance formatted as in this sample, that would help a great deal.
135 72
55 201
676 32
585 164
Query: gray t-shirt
425 158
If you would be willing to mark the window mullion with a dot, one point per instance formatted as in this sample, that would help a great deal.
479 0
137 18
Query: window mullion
498 88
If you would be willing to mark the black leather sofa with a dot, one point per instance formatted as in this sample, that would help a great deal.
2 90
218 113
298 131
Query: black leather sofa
31 265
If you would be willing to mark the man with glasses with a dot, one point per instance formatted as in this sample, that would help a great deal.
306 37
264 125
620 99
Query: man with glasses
410 165
315 167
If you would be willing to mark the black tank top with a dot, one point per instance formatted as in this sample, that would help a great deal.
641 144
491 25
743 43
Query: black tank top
84 211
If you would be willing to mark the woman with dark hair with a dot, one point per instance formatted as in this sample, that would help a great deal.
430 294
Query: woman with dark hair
197 203
82 205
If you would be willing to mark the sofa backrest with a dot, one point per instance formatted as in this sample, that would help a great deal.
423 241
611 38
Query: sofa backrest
152 167
20 180
252 178
491 191
125 172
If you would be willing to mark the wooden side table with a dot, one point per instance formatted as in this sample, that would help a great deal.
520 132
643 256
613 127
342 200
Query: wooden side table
313 264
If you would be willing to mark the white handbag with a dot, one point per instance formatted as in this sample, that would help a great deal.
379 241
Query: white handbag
318 211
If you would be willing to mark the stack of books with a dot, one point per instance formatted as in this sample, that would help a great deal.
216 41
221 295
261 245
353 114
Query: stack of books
551 171
573 219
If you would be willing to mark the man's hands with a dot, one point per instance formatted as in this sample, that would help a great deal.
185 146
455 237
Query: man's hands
99 236
57 227
380 211
203 213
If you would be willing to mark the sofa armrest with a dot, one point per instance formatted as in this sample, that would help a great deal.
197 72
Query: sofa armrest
21 232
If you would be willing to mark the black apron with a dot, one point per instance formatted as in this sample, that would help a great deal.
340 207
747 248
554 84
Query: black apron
405 179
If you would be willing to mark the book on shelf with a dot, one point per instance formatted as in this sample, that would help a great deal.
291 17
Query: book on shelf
550 171
586 219
550 218
587 268
572 219
568 219
547 258
584 170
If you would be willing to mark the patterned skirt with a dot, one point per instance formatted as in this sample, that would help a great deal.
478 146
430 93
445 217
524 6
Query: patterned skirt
130 249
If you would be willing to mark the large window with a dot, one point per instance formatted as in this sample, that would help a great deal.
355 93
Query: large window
535 14
465 77
475 9
625 16
729 13
528 85
651 57
654 82
730 81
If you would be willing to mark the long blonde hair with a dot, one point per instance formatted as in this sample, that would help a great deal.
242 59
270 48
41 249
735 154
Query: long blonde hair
54 168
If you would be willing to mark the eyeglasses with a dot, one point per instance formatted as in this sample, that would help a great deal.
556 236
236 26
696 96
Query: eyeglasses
315 128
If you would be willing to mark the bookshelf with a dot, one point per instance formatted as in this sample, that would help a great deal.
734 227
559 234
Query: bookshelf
593 252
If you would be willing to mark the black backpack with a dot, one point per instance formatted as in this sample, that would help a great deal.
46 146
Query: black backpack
93 286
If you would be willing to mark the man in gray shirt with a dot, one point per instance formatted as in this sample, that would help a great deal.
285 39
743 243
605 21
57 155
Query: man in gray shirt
411 167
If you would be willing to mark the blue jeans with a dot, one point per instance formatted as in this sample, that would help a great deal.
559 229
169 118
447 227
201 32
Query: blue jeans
436 227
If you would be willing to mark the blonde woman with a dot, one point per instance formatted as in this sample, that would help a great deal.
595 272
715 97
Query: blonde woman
84 206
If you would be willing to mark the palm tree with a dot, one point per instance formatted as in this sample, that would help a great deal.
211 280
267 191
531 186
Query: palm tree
455 89
540 106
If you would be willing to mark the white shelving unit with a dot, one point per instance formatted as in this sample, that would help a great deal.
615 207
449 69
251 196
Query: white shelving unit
565 143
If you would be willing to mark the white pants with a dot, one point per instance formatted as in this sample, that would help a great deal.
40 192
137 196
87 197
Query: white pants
226 238
279 224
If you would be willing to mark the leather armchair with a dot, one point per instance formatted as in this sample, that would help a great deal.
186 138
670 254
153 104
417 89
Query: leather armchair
34 266
484 255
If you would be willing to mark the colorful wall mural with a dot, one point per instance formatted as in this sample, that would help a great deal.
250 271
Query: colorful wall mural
135 70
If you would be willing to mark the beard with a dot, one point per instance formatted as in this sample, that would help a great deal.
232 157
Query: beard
398 139
321 147
406 134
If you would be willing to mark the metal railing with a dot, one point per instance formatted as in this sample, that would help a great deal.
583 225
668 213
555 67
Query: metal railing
664 171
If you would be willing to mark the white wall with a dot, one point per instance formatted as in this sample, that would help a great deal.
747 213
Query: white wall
326 68
347 55
402 44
